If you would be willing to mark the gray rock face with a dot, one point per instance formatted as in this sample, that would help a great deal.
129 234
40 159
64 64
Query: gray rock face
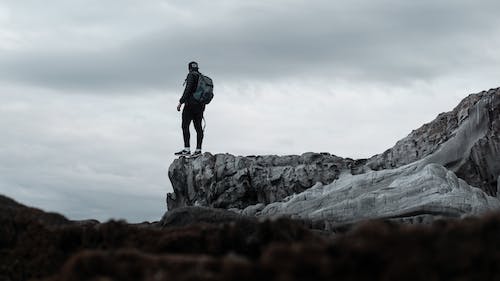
465 140
498 187
414 180
227 181
406 192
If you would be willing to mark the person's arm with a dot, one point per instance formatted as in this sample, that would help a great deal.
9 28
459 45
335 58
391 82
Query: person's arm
190 88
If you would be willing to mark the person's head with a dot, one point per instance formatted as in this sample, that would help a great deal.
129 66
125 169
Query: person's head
193 66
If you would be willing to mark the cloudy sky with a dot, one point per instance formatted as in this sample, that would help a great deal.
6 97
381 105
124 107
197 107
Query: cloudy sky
88 88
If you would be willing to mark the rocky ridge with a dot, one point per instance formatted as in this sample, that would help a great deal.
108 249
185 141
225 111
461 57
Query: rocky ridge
448 167
468 137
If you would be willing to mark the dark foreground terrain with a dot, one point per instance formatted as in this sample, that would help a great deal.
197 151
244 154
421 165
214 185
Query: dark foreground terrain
203 245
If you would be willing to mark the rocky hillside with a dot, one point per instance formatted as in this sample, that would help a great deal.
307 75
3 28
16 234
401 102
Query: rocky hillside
448 167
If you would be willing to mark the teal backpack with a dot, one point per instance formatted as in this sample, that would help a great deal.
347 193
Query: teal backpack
205 90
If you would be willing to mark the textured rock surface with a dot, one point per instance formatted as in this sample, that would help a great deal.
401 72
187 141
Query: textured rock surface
414 180
465 140
409 192
227 181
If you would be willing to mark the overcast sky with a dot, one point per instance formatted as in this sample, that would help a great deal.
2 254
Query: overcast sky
88 88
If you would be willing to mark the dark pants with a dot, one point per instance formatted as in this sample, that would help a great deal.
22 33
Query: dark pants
192 112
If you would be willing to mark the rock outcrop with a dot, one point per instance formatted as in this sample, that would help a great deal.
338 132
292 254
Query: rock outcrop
411 194
449 167
227 181
465 140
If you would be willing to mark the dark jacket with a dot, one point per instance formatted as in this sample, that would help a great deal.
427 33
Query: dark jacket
191 85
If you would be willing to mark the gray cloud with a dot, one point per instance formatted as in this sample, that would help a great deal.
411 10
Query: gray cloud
386 40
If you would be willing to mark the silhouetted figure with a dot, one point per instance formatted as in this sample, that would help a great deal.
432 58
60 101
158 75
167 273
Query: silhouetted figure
193 111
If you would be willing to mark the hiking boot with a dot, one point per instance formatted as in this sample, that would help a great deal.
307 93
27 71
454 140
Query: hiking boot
196 154
183 152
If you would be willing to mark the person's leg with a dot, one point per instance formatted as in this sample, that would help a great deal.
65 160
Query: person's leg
199 129
186 121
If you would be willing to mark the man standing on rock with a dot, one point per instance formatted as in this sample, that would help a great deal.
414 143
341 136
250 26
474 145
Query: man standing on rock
193 111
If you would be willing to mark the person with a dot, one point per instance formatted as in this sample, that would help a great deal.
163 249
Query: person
193 111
